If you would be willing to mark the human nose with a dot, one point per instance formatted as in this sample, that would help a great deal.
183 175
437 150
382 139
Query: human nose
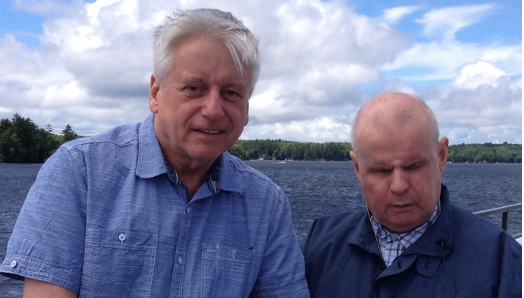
212 106
399 183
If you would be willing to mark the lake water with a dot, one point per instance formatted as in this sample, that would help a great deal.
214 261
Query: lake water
313 188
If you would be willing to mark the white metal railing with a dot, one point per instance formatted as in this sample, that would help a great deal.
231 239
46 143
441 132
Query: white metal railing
504 210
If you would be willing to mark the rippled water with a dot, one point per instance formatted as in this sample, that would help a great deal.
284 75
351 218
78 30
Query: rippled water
15 181
320 188
314 189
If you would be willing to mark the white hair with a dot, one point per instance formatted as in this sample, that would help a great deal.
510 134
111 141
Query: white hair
212 23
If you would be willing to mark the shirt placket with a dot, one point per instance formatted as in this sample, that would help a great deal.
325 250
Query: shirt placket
177 280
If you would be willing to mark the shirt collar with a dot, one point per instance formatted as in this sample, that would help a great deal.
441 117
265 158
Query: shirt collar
408 238
214 176
213 180
150 161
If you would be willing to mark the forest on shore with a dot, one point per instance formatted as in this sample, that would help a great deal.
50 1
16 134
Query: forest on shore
22 141
286 150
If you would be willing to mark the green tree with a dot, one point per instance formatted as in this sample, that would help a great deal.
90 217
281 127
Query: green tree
69 134
21 141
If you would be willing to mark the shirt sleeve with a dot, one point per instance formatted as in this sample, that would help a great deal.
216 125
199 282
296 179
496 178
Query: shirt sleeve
282 270
47 242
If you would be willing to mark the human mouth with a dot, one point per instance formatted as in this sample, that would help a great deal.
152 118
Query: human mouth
402 206
210 131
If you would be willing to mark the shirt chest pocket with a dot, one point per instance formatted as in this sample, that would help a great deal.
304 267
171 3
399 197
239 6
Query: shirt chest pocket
226 271
118 263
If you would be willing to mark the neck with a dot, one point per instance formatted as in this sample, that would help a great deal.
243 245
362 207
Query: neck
192 173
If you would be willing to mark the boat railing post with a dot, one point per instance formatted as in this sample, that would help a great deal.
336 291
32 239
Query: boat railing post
505 220
504 210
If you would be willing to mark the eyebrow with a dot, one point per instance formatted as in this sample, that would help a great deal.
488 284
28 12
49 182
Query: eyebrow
416 163
193 78
239 86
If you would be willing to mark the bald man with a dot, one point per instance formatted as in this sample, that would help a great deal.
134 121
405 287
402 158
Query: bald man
410 241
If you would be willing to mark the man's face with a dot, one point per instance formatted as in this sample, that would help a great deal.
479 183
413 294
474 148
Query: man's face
399 170
202 107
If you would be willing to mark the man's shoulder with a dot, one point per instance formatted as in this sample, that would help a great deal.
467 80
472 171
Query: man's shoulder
118 136
478 229
329 235
245 172
350 217
469 221
337 225
116 144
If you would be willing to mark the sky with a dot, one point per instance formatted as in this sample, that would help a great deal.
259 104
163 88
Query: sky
88 63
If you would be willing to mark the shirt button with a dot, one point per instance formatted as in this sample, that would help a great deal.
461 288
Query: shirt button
122 237
188 210
180 261
13 264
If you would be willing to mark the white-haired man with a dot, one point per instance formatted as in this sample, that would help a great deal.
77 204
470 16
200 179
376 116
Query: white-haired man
160 209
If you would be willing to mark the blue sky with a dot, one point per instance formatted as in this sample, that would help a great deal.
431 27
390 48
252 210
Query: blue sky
25 26
87 63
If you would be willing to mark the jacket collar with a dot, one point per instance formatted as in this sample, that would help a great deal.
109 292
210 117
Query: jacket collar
428 244
363 235
439 234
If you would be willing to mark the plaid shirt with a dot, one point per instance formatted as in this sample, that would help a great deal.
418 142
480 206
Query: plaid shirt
392 244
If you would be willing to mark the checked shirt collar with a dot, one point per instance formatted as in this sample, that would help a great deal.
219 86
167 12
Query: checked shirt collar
392 244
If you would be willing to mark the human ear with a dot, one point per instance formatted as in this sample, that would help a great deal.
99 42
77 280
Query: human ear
355 164
153 94
247 112
443 154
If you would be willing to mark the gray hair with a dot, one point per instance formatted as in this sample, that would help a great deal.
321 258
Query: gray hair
212 23
404 114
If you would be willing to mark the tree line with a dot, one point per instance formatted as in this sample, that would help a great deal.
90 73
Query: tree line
485 153
282 150
21 141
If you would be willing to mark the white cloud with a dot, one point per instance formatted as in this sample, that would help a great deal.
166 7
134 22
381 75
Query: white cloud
467 113
507 57
443 23
477 74
320 62
395 14
442 60
321 129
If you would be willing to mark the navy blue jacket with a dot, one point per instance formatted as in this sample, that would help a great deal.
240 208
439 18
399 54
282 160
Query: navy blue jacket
460 255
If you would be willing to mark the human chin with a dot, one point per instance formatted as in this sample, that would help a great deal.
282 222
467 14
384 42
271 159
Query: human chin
205 152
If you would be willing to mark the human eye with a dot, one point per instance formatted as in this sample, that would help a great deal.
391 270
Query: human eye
380 170
192 90
416 165
231 94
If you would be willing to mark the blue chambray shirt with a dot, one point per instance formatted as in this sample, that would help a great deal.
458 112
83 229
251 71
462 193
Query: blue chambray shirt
104 219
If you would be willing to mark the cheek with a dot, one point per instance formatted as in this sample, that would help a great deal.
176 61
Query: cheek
372 192
375 185
238 115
